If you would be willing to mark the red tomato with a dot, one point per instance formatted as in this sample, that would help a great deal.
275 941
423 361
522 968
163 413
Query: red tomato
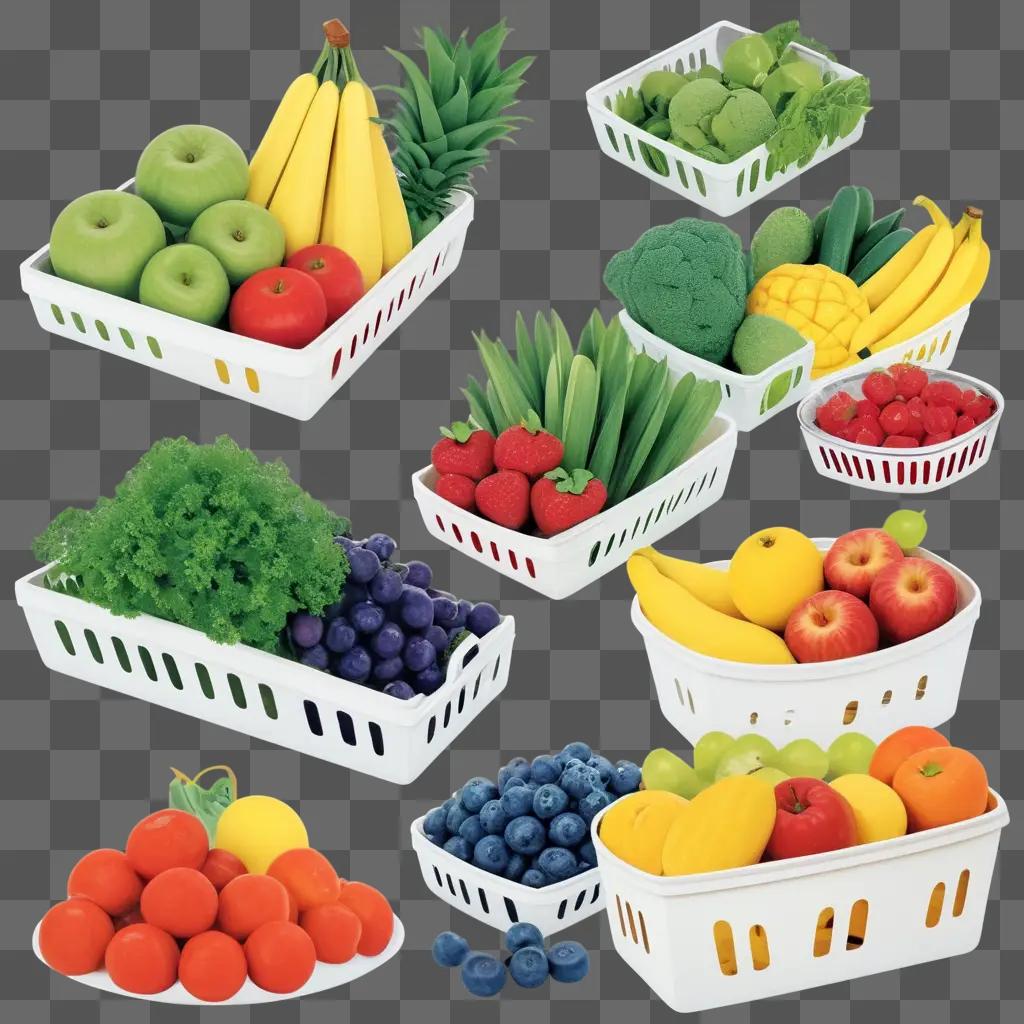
248 901
142 959
335 930
811 817
335 271
181 901
212 966
308 876
281 305
106 878
167 839
221 866
281 956
374 911
73 936
134 916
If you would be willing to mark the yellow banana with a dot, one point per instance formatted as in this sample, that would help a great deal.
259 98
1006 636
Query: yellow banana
877 288
276 145
961 228
681 617
395 233
708 585
939 218
298 199
979 273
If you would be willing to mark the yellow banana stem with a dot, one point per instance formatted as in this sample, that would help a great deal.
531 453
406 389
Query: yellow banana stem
979 274
939 218
885 280
961 228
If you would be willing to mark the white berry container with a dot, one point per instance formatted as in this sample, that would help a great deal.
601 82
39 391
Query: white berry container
324 978
724 189
899 470
559 566
293 382
500 902
913 683
261 694
727 937
749 400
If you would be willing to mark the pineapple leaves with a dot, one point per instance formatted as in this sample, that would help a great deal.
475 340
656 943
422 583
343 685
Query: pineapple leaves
454 113
429 120
440 67
490 102
484 55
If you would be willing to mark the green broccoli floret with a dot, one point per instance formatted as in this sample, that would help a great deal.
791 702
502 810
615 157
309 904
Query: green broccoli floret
786 235
206 536
686 282
743 123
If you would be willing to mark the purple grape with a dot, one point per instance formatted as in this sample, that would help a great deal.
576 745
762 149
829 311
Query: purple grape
306 630
420 574
434 592
482 619
401 689
388 669
341 637
419 653
354 593
363 565
315 657
416 609
401 568
462 614
381 545
445 610
386 586
429 679
354 665
454 632
367 617
346 542
437 636
332 611
388 641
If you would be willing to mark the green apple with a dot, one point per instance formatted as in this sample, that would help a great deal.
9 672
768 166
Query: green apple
769 775
186 169
850 754
104 239
244 236
664 770
745 754
708 751
803 759
188 281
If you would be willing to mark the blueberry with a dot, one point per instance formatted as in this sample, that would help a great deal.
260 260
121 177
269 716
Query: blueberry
568 961
534 878
388 641
626 778
429 680
444 611
452 801
517 799
449 949
525 835
578 749
437 840
354 665
493 817
477 792
516 867
557 862
306 630
549 800
604 767
415 608
419 653
567 830
517 768
545 769
434 821
587 854
458 847
386 586
363 565
529 966
315 657
456 816
381 545
491 854
593 803
472 830
366 616
483 975
420 574
578 780
341 637
387 670
438 637
521 934
482 618
563 758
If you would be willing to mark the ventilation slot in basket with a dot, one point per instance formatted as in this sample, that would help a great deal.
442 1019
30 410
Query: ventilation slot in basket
313 718
483 901
858 930
269 703
922 685
347 728
205 682
760 955
934 912
65 637
823 932
237 692
122 654
94 646
147 663
510 909
725 948
850 713
960 899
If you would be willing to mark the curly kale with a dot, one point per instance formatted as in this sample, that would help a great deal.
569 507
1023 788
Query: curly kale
206 536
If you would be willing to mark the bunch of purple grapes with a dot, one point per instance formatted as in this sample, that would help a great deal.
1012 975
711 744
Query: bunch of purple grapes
391 629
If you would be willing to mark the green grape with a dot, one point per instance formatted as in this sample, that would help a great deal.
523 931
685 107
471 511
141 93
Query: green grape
850 754
746 754
664 770
769 775
708 752
906 527
803 759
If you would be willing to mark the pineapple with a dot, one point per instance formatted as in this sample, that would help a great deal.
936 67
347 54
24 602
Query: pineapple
444 120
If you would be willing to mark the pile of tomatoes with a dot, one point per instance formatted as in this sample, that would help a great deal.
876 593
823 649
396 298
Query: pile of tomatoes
168 908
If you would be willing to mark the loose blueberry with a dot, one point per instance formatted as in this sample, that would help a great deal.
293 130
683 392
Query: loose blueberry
557 862
517 799
626 778
529 966
471 830
493 817
579 779
604 767
534 878
456 816
449 949
517 864
567 829
477 792
434 821
458 847
549 800
483 975
545 769
587 854
491 854
592 804
521 934
568 961
525 835
578 749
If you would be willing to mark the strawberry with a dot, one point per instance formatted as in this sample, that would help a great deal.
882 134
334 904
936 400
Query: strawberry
465 451
895 418
834 415
938 419
862 426
942 392
930 439
916 408
900 441
457 489
868 410
979 408
528 448
910 380
504 498
879 387
560 500
963 424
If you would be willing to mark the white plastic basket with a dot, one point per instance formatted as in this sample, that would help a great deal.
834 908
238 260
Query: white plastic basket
293 382
325 976
913 683
898 470
263 695
559 566
499 901
723 189
749 400
924 897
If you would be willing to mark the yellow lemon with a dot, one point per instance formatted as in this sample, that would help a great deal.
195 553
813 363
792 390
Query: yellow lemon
258 828
877 808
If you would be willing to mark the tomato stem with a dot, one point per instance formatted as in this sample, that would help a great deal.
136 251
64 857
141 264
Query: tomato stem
931 769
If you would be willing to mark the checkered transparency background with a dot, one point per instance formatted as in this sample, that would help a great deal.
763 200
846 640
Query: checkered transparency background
85 83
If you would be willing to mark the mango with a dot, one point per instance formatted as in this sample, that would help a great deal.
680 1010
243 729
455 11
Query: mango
634 828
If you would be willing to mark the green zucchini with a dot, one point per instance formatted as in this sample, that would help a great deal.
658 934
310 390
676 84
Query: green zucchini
874 234
880 254
865 212
840 227
818 226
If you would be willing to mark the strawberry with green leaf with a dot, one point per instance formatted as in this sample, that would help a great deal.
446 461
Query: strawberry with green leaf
464 451
560 500
528 448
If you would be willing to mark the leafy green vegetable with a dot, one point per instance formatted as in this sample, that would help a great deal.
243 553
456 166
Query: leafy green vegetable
206 536
207 803
778 37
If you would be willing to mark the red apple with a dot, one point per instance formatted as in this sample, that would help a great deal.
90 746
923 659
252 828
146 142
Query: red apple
856 558
810 817
911 598
831 625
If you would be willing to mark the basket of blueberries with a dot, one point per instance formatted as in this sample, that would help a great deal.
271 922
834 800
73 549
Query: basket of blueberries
519 849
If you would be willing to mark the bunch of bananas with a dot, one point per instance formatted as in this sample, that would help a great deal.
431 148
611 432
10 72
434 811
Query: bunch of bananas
323 167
